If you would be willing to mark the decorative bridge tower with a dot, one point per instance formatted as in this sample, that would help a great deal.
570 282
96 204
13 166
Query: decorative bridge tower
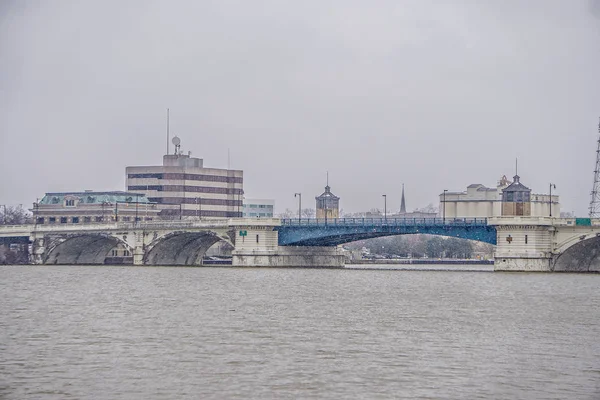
524 243
328 204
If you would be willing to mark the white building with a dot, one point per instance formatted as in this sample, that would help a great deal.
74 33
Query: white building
258 208
183 188
93 207
479 201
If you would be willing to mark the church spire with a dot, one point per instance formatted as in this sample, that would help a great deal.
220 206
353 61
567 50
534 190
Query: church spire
402 202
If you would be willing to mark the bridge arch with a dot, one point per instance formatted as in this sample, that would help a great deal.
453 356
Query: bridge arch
181 248
579 254
343 231
89 248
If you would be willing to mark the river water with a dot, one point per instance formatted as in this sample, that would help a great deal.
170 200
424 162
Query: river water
229 333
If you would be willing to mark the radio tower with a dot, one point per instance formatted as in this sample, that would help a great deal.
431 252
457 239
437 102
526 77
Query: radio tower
595 202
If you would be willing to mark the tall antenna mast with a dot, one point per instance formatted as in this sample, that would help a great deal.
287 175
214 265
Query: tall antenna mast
167 131
595 201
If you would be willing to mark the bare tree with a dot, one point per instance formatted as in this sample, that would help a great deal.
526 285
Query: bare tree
429 208
13 215
287 214
308 213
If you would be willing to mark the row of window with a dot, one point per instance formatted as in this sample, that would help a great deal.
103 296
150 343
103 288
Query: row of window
86 220
200 202
259 206
189 177
260 214
176 213
186 188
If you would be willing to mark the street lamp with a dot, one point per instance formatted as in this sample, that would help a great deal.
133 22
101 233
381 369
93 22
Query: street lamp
299 195
444 207
137 200
384 207
552 185
199 203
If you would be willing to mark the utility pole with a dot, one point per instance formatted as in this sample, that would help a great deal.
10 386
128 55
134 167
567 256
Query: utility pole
595 201
137 200
299 195
384 208
444 207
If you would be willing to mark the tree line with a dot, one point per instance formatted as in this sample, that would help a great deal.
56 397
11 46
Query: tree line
419 246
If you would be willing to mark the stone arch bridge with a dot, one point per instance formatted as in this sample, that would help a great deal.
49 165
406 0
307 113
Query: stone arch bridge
523 243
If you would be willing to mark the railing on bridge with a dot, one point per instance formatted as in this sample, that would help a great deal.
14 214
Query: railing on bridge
385 222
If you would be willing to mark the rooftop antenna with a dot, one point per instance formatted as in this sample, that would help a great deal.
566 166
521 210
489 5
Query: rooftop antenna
595 201
327 178
517 166
177 143
167 131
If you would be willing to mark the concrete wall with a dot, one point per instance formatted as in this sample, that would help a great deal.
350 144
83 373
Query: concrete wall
291 256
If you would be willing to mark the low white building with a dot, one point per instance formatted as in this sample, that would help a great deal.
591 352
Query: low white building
479 201
258 208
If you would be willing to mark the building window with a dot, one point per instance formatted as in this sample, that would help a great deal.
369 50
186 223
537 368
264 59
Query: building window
52 220
124 218
70 203
63 220
126 253
40 220
87 220
256 238
99 219
525 239
115 252
75 220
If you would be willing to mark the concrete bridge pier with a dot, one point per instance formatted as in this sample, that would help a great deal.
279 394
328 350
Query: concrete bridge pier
523 244
139 248
257 246
290 256
37 249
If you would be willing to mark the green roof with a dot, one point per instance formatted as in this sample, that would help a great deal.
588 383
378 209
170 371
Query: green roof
96 197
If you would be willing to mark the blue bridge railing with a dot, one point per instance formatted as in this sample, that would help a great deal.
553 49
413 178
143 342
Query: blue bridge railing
385 221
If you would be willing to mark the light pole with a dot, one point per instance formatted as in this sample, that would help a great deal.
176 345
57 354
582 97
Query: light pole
199 203
444 207
299 195
137 200
384 207
550 199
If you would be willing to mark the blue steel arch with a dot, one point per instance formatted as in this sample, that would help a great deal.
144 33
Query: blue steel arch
333 232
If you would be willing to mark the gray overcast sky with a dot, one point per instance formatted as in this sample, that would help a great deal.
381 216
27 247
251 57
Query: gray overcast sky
433 94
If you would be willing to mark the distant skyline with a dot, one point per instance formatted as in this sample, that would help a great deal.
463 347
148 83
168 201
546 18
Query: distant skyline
435 95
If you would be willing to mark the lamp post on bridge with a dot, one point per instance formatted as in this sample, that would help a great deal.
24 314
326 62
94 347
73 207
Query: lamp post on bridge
137 200
384 208
199 204
444 207
299 195
552 185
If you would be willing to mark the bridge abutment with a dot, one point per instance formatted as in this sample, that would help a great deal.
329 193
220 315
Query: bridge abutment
257 246
523 244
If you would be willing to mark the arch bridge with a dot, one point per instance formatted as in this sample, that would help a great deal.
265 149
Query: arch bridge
522 243
333 232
